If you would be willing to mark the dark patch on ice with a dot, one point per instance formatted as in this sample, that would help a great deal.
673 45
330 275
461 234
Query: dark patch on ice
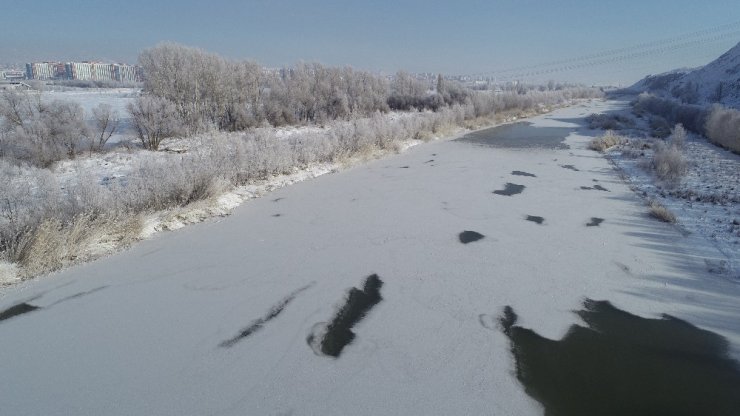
510 189
623 364
535 218
404 167
277 199
522 135
277 215
571 167
330 339
521 173
601 188
624 268
595 221
434 154
79 295
587 188
259 323
16 310
429 161
470 236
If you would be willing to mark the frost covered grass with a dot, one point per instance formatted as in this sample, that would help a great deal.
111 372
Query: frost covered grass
659 211
607 141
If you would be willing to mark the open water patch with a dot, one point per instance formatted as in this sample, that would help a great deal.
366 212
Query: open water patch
330 339
534 218
595 222
470 236
16 310
510 189
520 135
259 323
622 364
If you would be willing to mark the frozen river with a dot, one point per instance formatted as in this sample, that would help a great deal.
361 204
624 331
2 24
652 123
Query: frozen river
384 289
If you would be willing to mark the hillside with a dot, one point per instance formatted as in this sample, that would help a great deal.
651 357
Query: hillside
718 81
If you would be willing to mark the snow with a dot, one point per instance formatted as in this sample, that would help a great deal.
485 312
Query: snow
724 70
139 332
706 201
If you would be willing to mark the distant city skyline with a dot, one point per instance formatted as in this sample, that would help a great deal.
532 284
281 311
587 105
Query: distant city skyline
570 41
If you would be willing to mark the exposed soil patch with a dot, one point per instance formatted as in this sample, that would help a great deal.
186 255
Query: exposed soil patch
595 221
521 173
470 236
623 364
330 339
259 323
535 218
510 189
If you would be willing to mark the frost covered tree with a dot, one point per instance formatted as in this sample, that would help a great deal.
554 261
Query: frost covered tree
154 119
106 121
39 132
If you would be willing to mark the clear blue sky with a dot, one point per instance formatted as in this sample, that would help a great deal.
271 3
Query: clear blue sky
460 37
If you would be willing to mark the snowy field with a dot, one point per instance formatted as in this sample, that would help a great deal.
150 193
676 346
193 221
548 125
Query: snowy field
221 318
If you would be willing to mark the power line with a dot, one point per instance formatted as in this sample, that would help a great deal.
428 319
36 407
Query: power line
649 53
619 54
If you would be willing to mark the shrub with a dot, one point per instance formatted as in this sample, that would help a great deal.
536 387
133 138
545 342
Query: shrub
609 121
669 162
659 127
723 127
678 136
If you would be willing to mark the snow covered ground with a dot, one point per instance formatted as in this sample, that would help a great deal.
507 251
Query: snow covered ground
216 318
706 200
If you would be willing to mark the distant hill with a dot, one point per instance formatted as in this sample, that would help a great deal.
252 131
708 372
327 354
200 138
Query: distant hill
718 81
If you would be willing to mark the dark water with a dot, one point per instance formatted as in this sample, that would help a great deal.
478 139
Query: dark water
535 218
259 323
470 236
510 189
621 364
338 332
520 173
520 136
595 221
16 310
